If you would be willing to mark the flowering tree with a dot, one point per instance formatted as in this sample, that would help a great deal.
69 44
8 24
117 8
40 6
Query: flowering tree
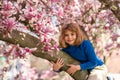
32 26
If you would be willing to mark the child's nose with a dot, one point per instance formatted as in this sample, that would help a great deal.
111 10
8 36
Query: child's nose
70 37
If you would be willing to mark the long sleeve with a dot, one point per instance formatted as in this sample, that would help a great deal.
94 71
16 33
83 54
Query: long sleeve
85 54
90 54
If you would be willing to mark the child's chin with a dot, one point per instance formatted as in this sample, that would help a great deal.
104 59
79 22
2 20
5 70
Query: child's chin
71 44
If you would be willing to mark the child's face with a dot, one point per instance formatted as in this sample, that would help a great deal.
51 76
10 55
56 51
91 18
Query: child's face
70 37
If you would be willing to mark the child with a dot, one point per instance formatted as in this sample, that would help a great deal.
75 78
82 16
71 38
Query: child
75 43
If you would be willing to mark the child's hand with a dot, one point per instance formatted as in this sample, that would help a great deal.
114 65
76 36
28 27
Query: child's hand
58 64
73 68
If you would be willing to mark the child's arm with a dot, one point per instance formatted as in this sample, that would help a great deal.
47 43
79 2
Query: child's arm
58 64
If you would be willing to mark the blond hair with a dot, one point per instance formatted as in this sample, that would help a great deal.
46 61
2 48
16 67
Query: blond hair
74 27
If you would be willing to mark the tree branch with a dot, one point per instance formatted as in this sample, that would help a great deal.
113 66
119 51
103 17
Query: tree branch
25 39
113 5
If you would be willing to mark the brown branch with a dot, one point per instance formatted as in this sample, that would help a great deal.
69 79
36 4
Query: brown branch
27 40
113 5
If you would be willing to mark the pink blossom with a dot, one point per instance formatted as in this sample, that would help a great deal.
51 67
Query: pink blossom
38 27
118 45
89 19
10 23
29 13
29 73
29 50
47 30
39 15
19 53
107 26
8 53
114 36
55 46
55 1
5 14
60 12
46 40
5 69
47 47
46 74
7 5
108 46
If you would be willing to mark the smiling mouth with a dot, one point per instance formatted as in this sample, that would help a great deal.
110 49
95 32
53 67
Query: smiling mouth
70 40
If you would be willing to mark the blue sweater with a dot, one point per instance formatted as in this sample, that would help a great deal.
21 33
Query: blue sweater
85 54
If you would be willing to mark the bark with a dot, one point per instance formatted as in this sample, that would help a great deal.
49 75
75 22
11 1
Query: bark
25 39
114 6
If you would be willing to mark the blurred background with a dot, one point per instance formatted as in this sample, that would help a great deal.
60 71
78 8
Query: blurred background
43 19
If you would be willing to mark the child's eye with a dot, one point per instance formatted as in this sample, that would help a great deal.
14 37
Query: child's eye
72 34
66 34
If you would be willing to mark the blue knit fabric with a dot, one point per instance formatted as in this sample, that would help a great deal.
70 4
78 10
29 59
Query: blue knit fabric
85 54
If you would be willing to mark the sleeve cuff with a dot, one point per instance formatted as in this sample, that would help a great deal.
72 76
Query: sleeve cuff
58 70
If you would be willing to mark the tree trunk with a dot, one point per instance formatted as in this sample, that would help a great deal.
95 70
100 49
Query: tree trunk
113 5
26 39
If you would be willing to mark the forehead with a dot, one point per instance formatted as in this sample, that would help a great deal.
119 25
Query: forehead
69 31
